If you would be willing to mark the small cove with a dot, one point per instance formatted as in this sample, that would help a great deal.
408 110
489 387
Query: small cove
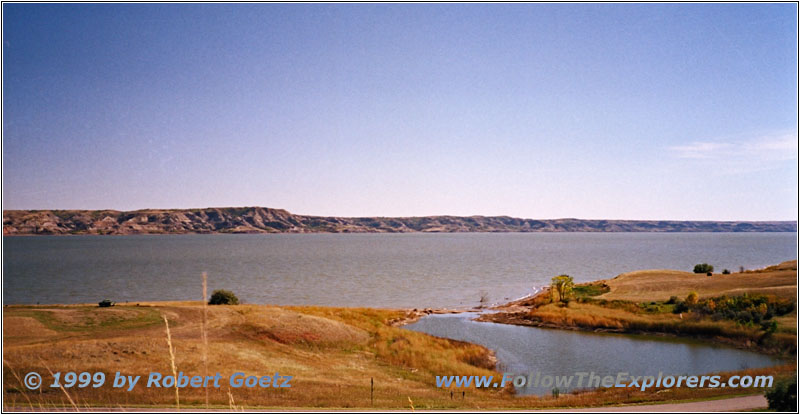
530 350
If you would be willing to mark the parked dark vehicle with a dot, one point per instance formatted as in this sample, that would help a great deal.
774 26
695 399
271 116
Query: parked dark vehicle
106 303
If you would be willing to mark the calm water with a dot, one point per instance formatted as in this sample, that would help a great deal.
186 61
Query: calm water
528 350
377 270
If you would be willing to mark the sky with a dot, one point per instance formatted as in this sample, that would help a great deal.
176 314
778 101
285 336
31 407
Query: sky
613 111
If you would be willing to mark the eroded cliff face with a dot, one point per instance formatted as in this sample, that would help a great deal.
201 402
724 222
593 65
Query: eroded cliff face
266 220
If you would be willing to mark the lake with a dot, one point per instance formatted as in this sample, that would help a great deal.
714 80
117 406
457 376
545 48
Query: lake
373 270
531 350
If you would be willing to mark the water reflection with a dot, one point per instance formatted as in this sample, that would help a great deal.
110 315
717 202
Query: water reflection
527 350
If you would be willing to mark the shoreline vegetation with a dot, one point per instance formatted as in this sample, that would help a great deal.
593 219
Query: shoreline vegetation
239 220
647 302
335 354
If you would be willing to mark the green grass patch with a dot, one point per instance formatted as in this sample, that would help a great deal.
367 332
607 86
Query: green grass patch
657 307
589 290
89 319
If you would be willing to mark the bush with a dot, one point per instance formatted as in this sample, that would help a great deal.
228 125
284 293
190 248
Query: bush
769 327
223 297
744 309
703 268
691 298
672 300
680 307
783 396
725 271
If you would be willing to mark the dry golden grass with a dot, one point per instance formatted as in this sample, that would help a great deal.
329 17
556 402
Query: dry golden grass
333 353
172 364
596 317
21 329
787 323
659 285
630 306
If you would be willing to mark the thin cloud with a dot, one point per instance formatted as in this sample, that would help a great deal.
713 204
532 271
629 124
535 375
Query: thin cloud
774 147
700 150
783 147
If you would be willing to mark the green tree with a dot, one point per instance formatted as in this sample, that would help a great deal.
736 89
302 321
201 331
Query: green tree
223 297
703 268
783 396
562 285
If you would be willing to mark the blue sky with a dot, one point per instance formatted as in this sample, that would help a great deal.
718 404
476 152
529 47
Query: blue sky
617 111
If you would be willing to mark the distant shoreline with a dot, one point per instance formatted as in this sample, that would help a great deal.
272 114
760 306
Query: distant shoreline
252 220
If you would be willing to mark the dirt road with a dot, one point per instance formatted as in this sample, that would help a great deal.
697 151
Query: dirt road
742 403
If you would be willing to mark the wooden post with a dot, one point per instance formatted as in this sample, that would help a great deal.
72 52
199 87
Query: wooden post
372 391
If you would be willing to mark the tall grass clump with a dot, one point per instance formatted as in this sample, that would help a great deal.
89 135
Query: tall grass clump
204 330
172 363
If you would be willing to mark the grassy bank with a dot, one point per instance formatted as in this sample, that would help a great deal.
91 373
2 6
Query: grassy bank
332 353
648 301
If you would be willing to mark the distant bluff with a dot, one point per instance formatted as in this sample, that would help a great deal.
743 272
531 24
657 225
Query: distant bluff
267 220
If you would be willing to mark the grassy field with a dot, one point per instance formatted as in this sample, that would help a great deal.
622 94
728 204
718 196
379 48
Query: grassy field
332 353
659 285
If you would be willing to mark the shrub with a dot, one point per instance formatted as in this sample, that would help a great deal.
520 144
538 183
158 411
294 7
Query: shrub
223 297
672 300
691 298
725 271
783 396
769 326
710 307
703 268
744 309
680 307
